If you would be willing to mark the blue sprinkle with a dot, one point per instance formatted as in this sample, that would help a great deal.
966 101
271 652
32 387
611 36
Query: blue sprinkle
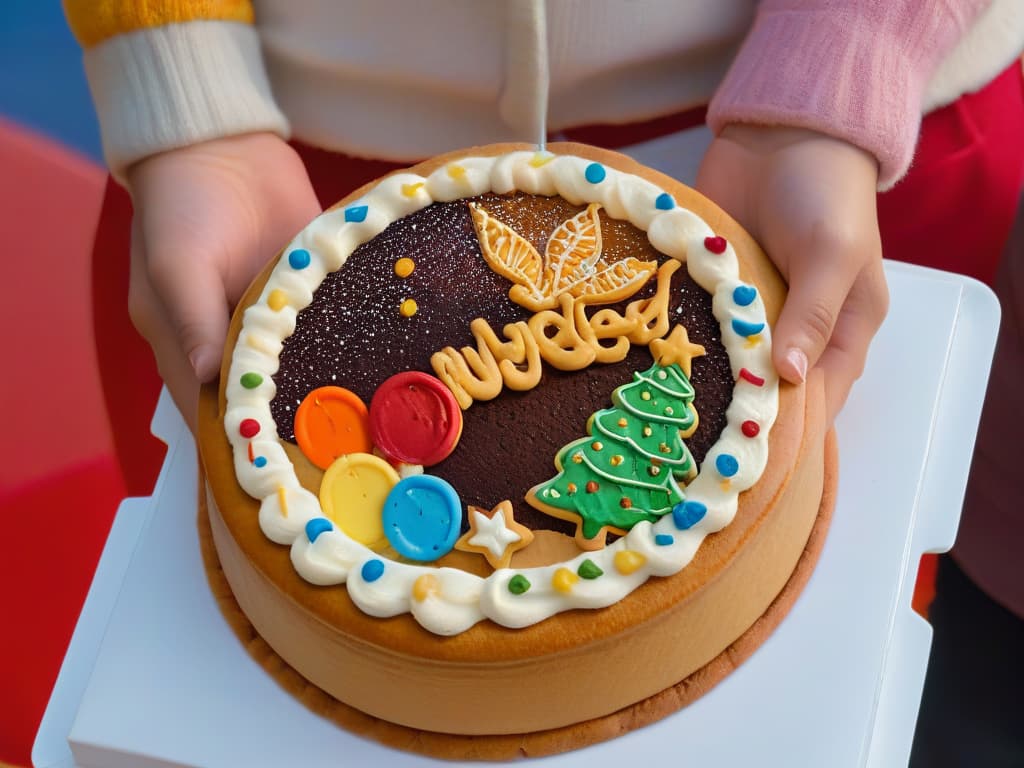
744 295
665 202
743 328
372 570
316 526
687 514
260 462
356 213
664 539
299 258
595 173
727 465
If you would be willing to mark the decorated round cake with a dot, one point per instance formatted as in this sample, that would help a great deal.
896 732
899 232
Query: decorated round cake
498 449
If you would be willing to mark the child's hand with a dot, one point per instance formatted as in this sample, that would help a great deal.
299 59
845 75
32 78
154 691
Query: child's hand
207 218
809 200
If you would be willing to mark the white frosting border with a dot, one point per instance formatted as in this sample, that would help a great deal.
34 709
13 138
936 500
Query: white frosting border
457 600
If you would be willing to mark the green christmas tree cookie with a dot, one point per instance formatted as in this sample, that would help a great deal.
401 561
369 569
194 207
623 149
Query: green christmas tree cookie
630 465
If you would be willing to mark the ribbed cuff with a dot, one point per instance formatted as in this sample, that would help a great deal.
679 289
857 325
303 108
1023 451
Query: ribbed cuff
856 76
167 87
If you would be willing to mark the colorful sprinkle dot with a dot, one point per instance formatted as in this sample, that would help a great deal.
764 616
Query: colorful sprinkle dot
259 462
316 526
589 570
372 570
249 428
251 380
664 539
627 561
626 503
356 213
518 584
277 300
410 190
563 580
743 328
727 465
541 159
425 586
299 258
404 266
715 244
744 295
595 173
687 514
750 428
592 486
664 202
754 379
456 171
408 308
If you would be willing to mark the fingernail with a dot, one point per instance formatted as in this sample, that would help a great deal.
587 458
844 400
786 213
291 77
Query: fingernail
200 359
798 360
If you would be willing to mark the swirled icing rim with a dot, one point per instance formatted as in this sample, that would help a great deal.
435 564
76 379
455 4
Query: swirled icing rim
448 601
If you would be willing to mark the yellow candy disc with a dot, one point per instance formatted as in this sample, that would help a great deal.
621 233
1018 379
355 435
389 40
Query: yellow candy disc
352 495
425 586
563 580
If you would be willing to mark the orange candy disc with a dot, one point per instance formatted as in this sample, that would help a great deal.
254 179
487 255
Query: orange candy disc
332 422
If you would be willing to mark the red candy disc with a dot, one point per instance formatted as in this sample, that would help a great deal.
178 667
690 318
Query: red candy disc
414 418
750 428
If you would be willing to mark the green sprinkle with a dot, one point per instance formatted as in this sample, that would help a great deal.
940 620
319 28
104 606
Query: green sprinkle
251 380
518 584
588 570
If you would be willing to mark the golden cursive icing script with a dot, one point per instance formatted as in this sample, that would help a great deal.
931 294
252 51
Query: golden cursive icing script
566 338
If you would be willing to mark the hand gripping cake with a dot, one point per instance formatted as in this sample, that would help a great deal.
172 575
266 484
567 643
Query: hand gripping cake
498 457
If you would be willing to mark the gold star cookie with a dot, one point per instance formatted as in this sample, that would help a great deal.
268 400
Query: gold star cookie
676 348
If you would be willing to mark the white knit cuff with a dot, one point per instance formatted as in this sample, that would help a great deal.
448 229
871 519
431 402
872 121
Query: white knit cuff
171 86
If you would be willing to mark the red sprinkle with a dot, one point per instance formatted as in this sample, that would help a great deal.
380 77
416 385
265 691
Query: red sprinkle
592 486
625 503
750 428
249 428
757 381
715 244
252 456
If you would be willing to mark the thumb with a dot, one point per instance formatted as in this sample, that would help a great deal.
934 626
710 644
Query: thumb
818 286
195 303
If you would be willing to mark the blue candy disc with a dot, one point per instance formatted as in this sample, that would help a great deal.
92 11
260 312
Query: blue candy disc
664 539
356 213
664 202
422 517
298 259
595 173
687 514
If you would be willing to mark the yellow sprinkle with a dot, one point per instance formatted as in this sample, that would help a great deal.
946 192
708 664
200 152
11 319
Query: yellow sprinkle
597 445
425 586
277 300
725 484
456 171
563 580
410 190
753 341
577 458
541 159
627 561
404 266
616 460
623 423
408 308
282 500
645 395
256 342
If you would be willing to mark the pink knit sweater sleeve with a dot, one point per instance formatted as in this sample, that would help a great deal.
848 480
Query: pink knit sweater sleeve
854 69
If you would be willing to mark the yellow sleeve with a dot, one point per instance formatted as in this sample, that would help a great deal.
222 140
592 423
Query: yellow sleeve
93 21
